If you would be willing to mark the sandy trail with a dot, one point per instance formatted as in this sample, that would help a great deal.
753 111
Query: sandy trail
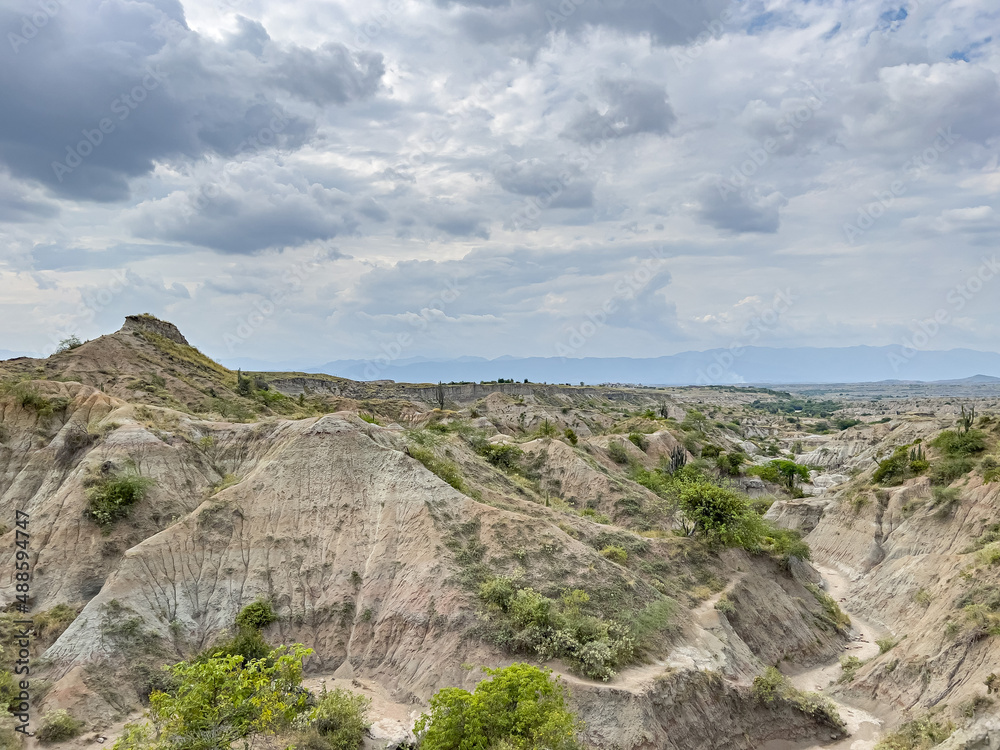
864 728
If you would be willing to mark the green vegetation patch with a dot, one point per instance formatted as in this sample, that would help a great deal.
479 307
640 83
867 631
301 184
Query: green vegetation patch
529 622
521 708
111 496
772 686
920 734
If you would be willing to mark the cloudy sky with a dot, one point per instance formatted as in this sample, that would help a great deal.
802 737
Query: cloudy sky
324 180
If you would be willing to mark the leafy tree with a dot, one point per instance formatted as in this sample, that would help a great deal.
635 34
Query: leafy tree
730 463
721 514
222 700
521 708
66 344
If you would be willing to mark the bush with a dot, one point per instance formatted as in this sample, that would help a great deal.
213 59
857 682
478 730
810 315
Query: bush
571 436
721 514
617 452
781 471
944 500
521 708
919 734
639 440
257 615
504 456
947 470
340 718
887 644
710 450
111 497
530 622
444 470
833 615
953 443
615 554
904 463
849 666
773 686
247 643
69 343
59 726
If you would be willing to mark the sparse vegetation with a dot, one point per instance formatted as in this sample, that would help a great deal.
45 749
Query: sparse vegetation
617 452
59 726
337 722
443 468
919 734
773 686
111 495
832 613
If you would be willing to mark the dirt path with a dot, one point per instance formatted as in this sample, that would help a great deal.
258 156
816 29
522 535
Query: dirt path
864 728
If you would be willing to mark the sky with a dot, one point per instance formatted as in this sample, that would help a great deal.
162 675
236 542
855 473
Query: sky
314 181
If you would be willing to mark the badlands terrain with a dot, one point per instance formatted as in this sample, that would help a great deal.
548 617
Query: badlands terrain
392 526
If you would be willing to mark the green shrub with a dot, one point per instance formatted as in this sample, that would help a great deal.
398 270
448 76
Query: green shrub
919 734
59 726
849 666
905 463
887 644
444 470
773 686
571 436
521 708
529 622
111 497
832 613
947 470
257 615
721 514
547 430
639 440
615 554
340 718
953 443
505 456
944 500
710 450
617 452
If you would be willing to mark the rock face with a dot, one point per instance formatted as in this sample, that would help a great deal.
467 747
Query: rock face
154 325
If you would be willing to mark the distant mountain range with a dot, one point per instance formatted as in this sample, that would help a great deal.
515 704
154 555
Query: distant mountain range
758 365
